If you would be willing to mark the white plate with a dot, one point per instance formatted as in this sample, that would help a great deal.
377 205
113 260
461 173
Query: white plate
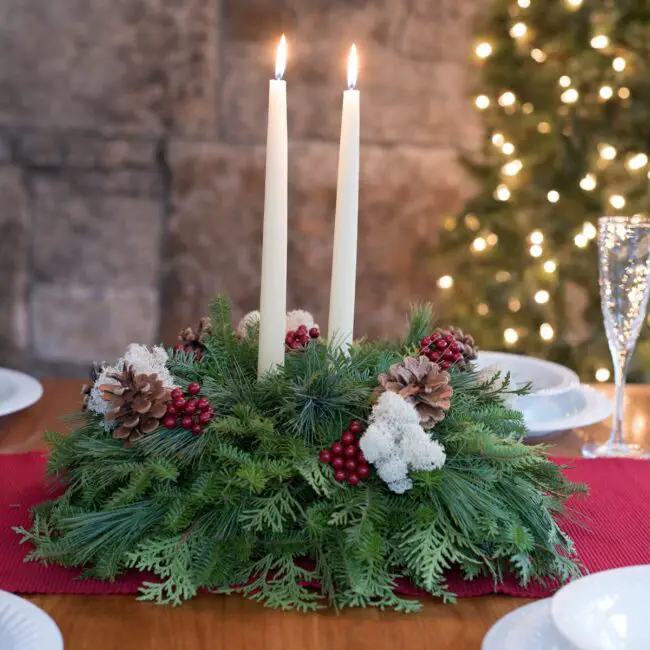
547 378
528 628
606 611
17 391
576 408
24 626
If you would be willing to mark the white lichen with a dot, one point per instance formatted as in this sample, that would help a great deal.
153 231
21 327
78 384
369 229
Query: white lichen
294 320
395 443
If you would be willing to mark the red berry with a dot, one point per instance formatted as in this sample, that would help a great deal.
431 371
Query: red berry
445 364
210 411
355 427
361 459
440 344
338 462
187 422
205 417
190 409
458 357
178 346
314 332
340 475
171 410
455 347
353 479
180 403
197 429
302 330
325 456
295 345
350 451
288 339
304 339
425 342
177 393
169 422
448 355
350 465
363 471
337 449
194 388
347 437
203 404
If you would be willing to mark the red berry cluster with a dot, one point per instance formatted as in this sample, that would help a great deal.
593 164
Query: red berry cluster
192 412
300 338
189 348
345 456
445 348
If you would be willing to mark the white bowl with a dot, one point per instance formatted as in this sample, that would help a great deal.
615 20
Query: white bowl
547 378
578 407
606 611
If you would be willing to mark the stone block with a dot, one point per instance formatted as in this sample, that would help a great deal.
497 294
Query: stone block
85 239
112 65
104 153
76 324
215 234
40 149
414 77
14 234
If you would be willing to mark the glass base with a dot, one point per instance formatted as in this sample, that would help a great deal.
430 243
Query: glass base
614 450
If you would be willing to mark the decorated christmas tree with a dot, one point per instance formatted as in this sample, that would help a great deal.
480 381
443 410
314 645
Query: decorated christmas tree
564 89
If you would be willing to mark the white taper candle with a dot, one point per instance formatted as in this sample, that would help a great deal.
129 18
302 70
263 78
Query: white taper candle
273 296
344 258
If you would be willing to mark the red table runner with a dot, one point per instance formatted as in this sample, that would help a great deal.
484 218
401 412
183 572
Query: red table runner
617 511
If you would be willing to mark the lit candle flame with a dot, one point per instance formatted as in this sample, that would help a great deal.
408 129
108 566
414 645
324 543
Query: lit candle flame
281 58
353 67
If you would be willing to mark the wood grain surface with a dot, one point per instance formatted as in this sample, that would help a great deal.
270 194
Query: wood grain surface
232 623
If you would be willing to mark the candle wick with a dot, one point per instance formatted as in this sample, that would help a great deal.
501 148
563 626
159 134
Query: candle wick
279 76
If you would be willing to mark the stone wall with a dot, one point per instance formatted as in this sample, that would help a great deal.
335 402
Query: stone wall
132 161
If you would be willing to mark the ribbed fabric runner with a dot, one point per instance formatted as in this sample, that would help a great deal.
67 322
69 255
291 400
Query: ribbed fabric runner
616 514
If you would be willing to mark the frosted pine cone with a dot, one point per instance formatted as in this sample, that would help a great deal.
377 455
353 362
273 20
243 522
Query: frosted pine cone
138 402
422 383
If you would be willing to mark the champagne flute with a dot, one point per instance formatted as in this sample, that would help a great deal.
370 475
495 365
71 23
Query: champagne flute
624 278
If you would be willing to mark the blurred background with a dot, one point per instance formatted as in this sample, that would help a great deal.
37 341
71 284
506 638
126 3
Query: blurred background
132 161
494 134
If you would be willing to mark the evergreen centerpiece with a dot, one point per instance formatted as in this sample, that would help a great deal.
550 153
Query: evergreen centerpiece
345 472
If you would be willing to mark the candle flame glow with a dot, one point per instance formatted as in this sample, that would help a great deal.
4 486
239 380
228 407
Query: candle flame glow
353 67
281 58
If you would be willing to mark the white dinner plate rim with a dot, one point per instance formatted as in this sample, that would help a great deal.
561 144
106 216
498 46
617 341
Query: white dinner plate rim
570 378
497 635
28 391
49 635
565 597
598 407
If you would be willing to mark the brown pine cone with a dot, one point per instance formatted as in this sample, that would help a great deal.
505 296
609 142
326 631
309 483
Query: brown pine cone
138 402
193 341
422 383
95 370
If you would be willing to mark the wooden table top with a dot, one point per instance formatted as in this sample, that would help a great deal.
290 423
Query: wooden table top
232 623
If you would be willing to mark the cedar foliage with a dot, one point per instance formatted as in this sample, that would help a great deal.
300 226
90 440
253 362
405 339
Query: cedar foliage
248 508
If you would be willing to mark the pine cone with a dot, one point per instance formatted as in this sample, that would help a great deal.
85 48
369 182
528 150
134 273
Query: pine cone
422 383
192 341
95 370
138 403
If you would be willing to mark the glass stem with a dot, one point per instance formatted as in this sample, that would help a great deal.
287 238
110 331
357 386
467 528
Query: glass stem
621 362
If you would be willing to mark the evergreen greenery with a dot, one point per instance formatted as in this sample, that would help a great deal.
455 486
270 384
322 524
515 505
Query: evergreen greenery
248 508
576 125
